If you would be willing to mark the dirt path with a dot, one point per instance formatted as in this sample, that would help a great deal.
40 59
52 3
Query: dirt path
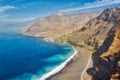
84 74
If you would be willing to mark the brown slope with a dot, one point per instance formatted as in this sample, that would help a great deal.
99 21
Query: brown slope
107 59
59 24
96 30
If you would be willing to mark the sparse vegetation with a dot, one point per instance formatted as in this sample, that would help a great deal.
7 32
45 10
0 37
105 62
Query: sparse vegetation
66 38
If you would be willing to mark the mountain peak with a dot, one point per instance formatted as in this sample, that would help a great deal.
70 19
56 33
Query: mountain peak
58 24
110 15
58 13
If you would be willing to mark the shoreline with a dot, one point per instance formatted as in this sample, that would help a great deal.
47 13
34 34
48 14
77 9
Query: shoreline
63 68
62 65
75 68
59 68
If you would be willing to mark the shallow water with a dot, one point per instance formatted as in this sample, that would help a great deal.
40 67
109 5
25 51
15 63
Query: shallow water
28 58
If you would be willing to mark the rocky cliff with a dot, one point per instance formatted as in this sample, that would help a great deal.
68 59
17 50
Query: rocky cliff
102 25
95 30
59 24
107 58
103 33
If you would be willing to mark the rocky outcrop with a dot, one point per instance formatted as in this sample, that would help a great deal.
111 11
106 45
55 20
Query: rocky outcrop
59 24
97 29
102 25
107 58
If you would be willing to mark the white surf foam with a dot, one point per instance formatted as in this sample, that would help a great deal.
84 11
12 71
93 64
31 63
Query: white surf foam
59 68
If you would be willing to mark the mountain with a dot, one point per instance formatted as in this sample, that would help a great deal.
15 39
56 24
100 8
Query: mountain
95 30
58 24
100 26
107 59
104 33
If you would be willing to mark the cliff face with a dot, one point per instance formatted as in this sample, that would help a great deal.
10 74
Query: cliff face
58 24
107 59
108 20
97 29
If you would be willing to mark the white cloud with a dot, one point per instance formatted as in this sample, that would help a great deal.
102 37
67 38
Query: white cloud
5 17
5 8
97 4
18 19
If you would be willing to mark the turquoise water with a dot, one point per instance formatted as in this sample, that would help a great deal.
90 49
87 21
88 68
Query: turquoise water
29 58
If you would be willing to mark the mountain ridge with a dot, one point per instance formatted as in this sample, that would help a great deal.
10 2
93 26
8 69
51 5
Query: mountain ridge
54 25
96 30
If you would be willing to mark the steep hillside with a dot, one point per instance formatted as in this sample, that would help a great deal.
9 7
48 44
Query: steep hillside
100 26
107 59
96 30
58 24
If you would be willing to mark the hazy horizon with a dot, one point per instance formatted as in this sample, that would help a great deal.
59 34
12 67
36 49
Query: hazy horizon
24 11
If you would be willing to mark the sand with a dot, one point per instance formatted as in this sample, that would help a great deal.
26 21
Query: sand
60 67
75 68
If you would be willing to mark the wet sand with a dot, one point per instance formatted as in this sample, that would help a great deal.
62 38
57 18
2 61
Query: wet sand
75 68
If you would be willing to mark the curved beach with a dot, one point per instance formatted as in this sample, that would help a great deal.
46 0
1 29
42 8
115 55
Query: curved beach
74 69
59 68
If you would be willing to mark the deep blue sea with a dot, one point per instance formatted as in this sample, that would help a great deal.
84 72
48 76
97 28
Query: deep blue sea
29 58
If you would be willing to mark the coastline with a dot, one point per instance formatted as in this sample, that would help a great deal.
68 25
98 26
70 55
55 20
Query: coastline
75 68
59 73
59 68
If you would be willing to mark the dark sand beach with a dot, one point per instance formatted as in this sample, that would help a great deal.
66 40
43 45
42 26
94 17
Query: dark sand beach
75 68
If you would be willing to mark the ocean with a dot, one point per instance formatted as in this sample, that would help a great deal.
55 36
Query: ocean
29 58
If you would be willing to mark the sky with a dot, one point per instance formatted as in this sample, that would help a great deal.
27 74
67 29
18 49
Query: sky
14 11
